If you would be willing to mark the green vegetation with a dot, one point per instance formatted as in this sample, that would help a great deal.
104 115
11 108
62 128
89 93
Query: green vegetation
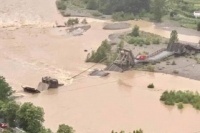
5 90
150 68
140 38
173 37
181 12
158 9
150 86
112 6
27 116
121 16
135 31
186 97
135 131
61 4
180 106
198 26
84 21
173 63
72 22
121 44
65 129
101 53
176 72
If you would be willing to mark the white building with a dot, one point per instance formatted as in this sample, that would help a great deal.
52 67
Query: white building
197 14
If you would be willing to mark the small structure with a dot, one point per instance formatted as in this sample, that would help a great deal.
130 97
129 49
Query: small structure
196 14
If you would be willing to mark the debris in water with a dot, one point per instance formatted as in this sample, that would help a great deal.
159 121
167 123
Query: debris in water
100 73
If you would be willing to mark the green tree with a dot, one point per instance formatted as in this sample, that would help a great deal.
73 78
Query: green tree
121 44
5 89
44 130
173 37
9 110
30 117
158 9
198 26
6 131
92 5
61 5
135 31
180 106
65 129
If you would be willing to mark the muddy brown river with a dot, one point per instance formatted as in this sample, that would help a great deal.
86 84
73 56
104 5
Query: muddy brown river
120 101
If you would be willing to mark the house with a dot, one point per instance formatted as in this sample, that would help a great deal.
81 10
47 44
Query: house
197 14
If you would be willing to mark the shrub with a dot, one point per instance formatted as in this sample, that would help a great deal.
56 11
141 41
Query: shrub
61 5
180 97
121 16
150 86
147 42
84 21
173 63
132 40
135 31
176 72
150 68
156 41
72 21
198 26
101 52
96 14
180 106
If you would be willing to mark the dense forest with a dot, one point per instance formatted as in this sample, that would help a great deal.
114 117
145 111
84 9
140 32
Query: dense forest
111 6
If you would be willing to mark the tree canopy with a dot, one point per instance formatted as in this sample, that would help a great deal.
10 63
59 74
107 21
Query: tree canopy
65 129
111 6
30 117
5 89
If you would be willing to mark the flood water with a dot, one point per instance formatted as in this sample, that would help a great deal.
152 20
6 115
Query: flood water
120 101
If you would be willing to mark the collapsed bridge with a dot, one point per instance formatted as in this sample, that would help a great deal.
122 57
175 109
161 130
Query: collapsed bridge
126 60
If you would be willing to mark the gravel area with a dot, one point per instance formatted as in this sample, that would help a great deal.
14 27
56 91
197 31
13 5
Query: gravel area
116 26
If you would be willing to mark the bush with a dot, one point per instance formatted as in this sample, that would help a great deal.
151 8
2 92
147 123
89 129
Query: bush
176 72
150 68
147 42
92 5
96 14
198 26
150 86
156 41
61 5
173 63
72 21
101 53
121 16
180 106
187 97
84 21
135 31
